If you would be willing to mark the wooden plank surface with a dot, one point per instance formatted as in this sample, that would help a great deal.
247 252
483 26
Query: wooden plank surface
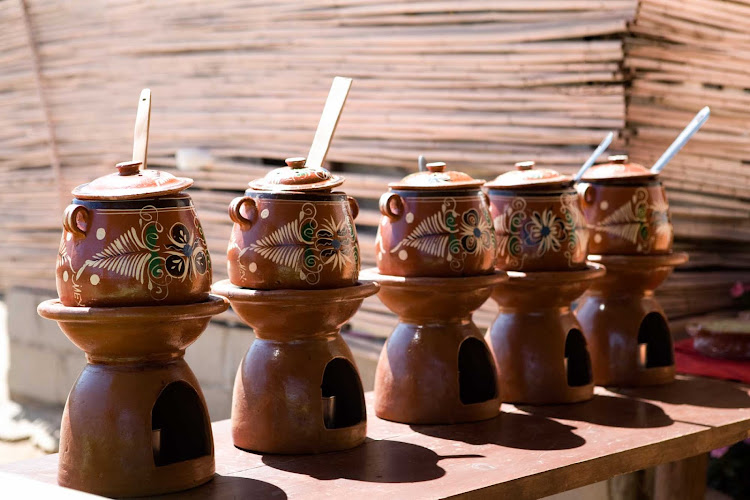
525 453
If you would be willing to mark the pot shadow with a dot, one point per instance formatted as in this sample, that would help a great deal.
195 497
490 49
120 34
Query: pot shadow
511 430
609 411
230 487
709 393
375 461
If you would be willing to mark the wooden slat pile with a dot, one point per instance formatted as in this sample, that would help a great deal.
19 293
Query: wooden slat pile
479 84
682 56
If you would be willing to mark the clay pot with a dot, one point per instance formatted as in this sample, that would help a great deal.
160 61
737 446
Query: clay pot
538 221
724 338
436 224
626 209
290 231
132 239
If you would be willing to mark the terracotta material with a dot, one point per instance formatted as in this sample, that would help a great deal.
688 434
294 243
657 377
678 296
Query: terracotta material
132 253
435 223
291 232
626 208
537 342
435 367
625 327
135 422
724 338
298 389
538 221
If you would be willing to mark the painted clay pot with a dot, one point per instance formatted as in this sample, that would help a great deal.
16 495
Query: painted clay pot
435 224
626 209
132 239
291 232
538 221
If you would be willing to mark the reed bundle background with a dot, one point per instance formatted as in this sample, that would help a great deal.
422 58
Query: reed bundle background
479 84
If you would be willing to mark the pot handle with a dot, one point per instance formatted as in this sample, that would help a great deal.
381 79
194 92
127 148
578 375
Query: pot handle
353 206
392 206
70 219
589 195
486 199
236 215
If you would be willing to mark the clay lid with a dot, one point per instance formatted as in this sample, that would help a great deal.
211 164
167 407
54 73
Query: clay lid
618 167
526 176
297 177
436 179
130 183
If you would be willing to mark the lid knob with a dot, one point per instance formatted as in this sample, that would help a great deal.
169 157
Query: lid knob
438 166
619 159
525 165
298 162
128 167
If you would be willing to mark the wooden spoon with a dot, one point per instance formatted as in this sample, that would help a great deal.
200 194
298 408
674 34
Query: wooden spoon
142 122
328 121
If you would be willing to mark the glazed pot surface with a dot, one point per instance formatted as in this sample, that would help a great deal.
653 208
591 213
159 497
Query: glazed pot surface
539 230
627 218
435 233
142 252
293 241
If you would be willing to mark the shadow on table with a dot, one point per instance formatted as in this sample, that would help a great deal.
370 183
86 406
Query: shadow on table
512 430
693 391
381 461
610 411
221 487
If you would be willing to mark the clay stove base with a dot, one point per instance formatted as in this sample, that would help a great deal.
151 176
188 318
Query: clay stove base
298 389
135 422
536 340
626 328
435 367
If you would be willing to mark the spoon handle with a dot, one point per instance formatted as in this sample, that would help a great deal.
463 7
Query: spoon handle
682 139
597 152
328 121
142 120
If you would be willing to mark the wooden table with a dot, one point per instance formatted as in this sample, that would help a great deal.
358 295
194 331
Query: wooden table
527 452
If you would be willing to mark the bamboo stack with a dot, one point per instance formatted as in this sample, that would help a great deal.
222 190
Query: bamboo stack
680 57
479 84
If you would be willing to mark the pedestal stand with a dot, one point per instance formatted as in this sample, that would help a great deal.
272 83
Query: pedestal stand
435 367
135 422
537 343
298 389
626 329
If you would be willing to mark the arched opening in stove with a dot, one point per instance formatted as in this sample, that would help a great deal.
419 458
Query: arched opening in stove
342 395
476 372
179 425
577 360
654 342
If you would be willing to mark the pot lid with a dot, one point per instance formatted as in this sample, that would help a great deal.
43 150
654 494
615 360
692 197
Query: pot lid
526 176
435 178
618 167
131 182
297 177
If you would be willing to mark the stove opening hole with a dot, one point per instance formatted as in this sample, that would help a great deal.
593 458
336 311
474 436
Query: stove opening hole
577 360
654 342
476 372
179 426
342 395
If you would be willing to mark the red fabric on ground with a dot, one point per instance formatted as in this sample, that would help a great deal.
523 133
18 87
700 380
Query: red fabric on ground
689 361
